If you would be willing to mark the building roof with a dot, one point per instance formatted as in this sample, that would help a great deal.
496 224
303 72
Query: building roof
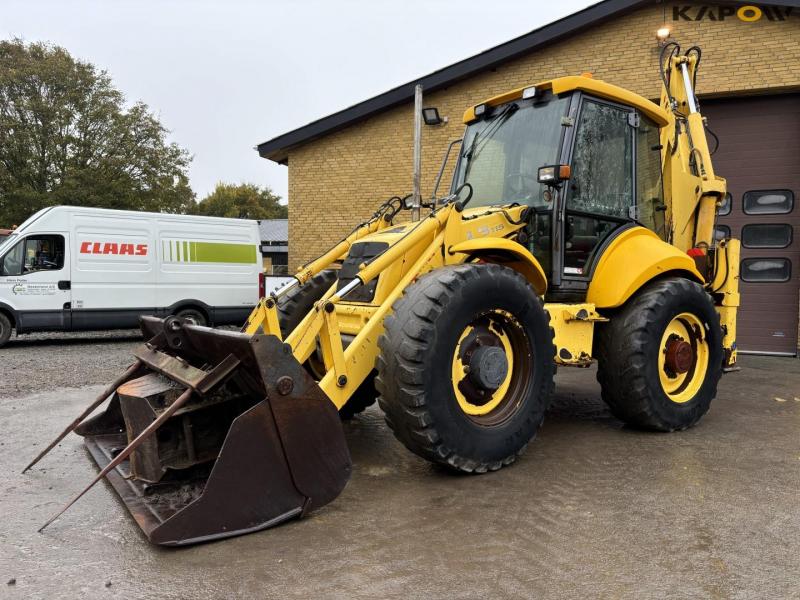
274 230
277 148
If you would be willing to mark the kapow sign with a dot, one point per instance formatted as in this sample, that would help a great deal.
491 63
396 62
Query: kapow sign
747 13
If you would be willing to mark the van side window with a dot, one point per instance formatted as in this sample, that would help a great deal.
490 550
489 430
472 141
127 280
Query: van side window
33 254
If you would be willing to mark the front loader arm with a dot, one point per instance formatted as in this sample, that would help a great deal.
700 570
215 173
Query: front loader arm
444 237
264 316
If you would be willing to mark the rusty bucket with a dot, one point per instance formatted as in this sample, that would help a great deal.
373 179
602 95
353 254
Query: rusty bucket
215 434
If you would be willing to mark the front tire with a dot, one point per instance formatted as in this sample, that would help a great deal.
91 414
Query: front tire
292 309
295 304
5 329
660 357
465 370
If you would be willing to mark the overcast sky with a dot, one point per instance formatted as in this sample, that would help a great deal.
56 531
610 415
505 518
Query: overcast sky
227 75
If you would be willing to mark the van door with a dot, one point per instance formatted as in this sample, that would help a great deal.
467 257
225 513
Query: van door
35 282
212 265
113 273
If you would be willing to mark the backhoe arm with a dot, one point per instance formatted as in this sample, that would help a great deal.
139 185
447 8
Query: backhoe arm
694 192
689 179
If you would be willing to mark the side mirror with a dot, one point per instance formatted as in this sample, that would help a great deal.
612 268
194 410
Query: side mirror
553 174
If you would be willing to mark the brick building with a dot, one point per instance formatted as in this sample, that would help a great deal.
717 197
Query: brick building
274 245
749 87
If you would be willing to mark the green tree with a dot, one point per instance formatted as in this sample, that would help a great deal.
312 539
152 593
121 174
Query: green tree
66 137
242 201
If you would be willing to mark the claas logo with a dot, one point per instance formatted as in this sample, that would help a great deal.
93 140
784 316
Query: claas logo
114 248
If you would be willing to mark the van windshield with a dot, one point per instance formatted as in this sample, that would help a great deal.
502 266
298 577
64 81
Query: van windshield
6 242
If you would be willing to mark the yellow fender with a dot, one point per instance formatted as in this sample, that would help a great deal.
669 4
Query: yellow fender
633 258
508 253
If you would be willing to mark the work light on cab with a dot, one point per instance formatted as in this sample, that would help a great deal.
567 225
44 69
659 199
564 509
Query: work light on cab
553 174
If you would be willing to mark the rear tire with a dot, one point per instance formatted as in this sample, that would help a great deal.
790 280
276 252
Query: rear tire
292 308
641 384
5 329
465 370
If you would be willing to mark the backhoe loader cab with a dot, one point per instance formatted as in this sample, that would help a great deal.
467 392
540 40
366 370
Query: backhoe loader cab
579 228
587 162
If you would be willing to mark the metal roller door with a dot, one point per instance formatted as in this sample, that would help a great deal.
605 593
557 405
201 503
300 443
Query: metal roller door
759 155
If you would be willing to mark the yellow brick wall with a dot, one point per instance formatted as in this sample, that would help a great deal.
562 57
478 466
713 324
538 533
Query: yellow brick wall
336 181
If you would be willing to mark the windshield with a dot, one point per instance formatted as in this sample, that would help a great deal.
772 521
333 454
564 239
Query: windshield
6 242
502 154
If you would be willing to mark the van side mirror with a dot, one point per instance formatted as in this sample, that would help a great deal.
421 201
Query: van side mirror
553 174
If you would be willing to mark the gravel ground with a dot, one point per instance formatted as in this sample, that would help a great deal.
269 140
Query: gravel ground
44 361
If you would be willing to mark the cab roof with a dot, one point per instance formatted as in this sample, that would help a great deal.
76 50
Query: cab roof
584 83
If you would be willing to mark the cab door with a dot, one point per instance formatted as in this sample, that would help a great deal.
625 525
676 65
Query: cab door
35 282
599 196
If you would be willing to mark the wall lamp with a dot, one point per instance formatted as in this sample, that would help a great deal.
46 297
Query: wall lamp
662 35
431 116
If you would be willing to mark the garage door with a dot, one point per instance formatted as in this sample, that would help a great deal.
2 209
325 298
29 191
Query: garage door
759 155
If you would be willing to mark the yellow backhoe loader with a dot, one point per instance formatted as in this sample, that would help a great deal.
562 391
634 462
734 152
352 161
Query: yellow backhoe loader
579 227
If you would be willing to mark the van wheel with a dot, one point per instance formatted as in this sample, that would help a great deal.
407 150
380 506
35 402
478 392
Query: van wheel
193 316
5 329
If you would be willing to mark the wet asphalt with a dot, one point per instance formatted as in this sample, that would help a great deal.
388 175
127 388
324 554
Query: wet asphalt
593 509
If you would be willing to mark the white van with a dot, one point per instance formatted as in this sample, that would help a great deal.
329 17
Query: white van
69 268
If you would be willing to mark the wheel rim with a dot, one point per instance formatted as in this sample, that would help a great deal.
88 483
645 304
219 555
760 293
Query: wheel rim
683 357
491 367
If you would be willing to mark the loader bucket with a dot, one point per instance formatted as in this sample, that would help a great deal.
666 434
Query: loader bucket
257 442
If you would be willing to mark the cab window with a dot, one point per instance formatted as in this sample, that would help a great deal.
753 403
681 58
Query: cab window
502 153
33 254
601 187
649 194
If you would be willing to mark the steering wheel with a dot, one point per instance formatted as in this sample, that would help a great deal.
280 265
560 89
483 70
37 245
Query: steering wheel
515 184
